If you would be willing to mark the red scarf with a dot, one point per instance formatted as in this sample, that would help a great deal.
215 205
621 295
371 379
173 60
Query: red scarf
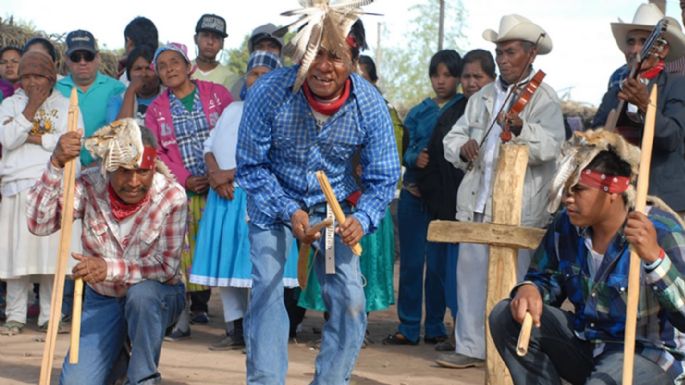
331 108
122 210
654 71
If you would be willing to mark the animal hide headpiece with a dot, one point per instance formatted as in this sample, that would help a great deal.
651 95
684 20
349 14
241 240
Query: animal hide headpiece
120 144
321 25
579 151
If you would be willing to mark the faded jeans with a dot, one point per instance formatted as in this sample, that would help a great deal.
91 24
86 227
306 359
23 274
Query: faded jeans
555 352
143 314
266 322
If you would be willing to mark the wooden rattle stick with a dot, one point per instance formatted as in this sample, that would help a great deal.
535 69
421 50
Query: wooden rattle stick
524 335
634 272
64 251
303 257
335 206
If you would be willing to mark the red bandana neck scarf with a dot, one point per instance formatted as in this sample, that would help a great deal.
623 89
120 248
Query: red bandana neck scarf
654 71
122 210
607 183
331 108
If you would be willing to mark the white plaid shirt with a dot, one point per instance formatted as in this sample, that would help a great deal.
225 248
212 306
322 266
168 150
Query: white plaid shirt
150 251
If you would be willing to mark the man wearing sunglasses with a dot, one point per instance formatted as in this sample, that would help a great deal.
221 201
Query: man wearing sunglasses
95 89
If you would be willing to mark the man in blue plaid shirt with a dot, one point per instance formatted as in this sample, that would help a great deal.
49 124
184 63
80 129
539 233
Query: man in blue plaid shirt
584 258
286 135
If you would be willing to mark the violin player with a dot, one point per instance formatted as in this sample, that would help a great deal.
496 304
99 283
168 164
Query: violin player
473 146
667 175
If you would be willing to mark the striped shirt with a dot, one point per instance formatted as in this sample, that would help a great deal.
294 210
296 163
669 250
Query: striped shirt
561 271
150 251
280 149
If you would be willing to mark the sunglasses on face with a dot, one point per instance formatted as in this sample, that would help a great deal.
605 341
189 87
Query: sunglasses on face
76 57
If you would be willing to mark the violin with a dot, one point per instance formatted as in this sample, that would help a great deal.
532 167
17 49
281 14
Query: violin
652 46
523 99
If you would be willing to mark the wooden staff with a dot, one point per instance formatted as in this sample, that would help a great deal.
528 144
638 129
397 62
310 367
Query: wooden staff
64 250
524 335
303 257
335 206
634 275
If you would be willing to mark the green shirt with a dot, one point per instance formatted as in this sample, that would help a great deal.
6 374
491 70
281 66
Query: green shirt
92 103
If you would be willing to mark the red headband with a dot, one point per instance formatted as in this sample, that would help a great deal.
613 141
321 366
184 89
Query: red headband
147 162
351 41
607 183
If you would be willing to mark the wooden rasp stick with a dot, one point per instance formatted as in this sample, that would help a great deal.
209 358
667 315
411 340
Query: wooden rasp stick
64 250
76 321
303 257
524 335
335 206
634 274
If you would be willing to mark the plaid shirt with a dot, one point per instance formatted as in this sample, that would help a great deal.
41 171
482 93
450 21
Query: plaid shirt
560 270
192 129
151 250
280 148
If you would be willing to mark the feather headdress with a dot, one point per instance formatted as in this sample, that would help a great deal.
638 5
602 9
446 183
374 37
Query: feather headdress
120 144
321 25
579 151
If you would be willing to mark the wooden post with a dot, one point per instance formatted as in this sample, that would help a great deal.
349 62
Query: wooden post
504 236
507 203
64 250
634 274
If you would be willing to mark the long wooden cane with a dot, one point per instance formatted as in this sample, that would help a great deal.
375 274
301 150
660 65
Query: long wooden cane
64 249
335 205
634 275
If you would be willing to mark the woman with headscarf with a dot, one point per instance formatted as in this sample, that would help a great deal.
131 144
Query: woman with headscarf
181 118
222 249
31 122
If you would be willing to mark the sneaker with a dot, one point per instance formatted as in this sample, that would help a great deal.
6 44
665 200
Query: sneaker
177 335
61 328
445 346
458 361
11 328
199 318
228 343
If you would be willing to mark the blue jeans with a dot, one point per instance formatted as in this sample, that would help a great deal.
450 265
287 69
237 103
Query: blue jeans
266 322
143 314
555 352
415 251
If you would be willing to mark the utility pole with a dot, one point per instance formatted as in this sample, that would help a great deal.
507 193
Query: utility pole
379 54
441 28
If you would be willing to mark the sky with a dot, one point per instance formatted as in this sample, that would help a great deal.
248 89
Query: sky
583 57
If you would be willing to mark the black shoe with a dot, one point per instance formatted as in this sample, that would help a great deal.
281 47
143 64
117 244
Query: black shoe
434 340
398 339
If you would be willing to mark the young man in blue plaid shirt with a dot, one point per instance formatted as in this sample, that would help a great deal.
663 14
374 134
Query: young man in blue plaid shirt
584 258
287 134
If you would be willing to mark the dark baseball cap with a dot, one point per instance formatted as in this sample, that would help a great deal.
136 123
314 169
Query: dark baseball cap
212 23
80 40
263 32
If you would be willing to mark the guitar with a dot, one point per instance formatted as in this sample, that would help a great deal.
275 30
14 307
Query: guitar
653 44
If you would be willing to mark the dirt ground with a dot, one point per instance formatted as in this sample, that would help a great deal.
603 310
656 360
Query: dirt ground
189 362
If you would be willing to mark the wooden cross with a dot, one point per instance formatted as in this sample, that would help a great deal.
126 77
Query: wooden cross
505 237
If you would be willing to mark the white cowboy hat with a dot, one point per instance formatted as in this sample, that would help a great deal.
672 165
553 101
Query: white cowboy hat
517 27
646 17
